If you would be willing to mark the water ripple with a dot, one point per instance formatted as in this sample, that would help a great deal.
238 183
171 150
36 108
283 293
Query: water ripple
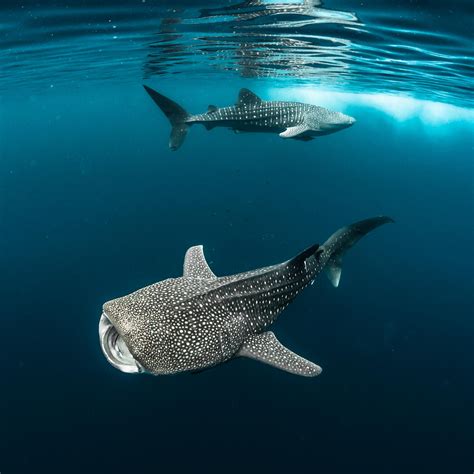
424 53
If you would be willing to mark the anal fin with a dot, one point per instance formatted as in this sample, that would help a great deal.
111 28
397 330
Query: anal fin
266 348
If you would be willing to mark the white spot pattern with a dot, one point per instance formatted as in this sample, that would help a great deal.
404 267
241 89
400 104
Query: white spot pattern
254 114
191 323
266 348
200 320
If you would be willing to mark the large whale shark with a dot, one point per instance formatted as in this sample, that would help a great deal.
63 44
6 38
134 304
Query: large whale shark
252 114
199 320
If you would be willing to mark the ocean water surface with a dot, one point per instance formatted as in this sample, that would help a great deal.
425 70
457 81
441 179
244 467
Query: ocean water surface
94 205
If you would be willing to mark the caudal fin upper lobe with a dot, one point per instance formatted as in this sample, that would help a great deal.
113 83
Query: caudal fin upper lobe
343 239
175 114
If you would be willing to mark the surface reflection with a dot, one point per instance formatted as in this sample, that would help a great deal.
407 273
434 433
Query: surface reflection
255 38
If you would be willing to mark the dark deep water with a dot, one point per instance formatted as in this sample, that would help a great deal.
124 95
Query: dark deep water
93 205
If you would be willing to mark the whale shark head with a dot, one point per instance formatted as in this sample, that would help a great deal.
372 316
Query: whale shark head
119 324
327 121
115 348
147 330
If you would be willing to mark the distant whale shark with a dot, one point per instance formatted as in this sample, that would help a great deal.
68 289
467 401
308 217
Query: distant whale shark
252 114
199 320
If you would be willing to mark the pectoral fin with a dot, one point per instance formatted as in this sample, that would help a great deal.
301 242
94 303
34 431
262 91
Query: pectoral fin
292 132
266 348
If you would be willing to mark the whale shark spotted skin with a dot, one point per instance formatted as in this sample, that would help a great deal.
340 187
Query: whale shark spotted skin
252 114
200 320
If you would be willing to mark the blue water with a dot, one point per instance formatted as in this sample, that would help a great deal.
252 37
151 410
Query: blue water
93 205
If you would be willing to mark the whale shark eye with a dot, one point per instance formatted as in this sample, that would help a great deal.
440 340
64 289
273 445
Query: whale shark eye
114 348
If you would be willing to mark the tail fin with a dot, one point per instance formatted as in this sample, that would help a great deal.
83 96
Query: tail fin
344 239
176 115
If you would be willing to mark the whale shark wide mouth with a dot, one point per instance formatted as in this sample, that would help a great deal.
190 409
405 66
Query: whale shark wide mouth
114 348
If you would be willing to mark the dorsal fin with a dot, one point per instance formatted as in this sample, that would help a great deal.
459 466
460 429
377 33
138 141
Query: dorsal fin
247 97
211 108
195 265
309 252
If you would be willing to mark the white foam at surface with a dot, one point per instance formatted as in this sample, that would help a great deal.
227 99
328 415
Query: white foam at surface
400 107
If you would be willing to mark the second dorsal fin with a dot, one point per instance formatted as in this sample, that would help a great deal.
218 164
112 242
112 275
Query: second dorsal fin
247 97
211 108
